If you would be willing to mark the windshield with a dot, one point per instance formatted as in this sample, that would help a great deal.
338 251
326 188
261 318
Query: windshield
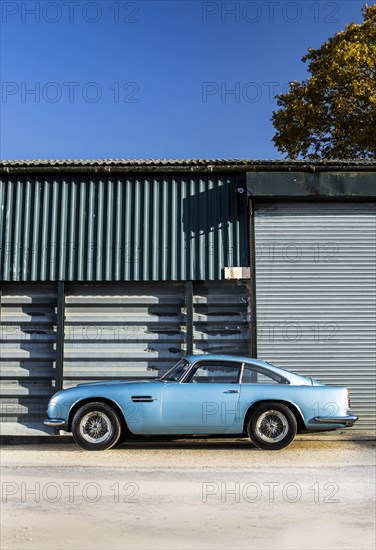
176 372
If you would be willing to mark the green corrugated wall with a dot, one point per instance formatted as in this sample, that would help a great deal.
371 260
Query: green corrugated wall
121 227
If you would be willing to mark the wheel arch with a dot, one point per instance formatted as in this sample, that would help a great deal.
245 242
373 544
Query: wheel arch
104 400
294 409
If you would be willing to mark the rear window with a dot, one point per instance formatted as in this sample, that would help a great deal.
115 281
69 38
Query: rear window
258 375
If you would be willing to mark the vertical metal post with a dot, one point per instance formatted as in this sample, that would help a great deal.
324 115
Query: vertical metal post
1 328
252 259
189 305
60 336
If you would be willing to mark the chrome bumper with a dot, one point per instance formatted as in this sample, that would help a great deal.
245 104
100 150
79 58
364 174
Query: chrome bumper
348 420
54 422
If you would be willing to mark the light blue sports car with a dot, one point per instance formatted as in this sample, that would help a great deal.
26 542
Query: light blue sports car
202 395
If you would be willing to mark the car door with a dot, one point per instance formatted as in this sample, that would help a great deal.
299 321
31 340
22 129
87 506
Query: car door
206 402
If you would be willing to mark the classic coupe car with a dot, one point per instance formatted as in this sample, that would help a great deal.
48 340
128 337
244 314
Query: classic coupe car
202 395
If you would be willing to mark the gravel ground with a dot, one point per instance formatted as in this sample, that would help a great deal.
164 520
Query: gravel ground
188 495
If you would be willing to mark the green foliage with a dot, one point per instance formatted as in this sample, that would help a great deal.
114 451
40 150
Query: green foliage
332 114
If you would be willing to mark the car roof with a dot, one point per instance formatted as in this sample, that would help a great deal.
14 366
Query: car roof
292 377
221 357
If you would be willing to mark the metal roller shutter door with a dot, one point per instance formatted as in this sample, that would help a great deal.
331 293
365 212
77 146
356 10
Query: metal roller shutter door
138 330
27 355
316 279
122 330
221 317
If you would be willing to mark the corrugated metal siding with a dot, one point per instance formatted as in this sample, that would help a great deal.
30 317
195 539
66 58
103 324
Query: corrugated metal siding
316 308
221 317
122 330
27 352
121 227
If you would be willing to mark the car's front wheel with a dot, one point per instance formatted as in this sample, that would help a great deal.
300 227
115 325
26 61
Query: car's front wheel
272 426
96 427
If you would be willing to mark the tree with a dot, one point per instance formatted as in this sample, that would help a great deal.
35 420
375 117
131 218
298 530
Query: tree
332 114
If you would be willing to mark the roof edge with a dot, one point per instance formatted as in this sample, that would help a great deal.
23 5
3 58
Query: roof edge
190 165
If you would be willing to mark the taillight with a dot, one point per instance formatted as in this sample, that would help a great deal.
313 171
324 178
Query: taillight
348 399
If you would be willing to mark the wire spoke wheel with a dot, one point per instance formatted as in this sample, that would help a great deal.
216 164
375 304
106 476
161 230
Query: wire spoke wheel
95 427
272 426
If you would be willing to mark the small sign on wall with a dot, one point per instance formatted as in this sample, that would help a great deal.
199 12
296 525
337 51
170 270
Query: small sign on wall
237 272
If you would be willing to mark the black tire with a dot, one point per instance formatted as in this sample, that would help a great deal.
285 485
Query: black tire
272 426
96 427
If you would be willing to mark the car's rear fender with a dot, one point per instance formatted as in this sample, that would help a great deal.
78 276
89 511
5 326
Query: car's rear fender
307 402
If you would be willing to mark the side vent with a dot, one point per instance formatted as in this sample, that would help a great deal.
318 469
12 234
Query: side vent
143 398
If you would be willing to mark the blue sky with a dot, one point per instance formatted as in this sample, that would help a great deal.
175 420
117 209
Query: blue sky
153 79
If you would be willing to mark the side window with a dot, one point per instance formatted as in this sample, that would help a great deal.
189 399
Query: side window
249 376
256 375
216 373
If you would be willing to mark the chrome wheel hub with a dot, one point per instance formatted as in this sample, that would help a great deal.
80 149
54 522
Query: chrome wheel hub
95 427
272 426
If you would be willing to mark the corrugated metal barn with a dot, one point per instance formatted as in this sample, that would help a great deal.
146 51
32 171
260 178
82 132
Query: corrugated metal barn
115 269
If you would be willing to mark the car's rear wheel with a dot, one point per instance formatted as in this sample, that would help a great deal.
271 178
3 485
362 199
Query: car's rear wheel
96 427
272 426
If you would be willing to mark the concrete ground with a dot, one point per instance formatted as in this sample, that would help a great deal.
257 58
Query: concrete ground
316 494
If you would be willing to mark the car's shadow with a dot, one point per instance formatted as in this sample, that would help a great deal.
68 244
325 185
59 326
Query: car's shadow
67 444
225 444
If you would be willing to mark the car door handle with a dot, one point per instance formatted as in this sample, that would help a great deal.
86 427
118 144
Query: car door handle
231 391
